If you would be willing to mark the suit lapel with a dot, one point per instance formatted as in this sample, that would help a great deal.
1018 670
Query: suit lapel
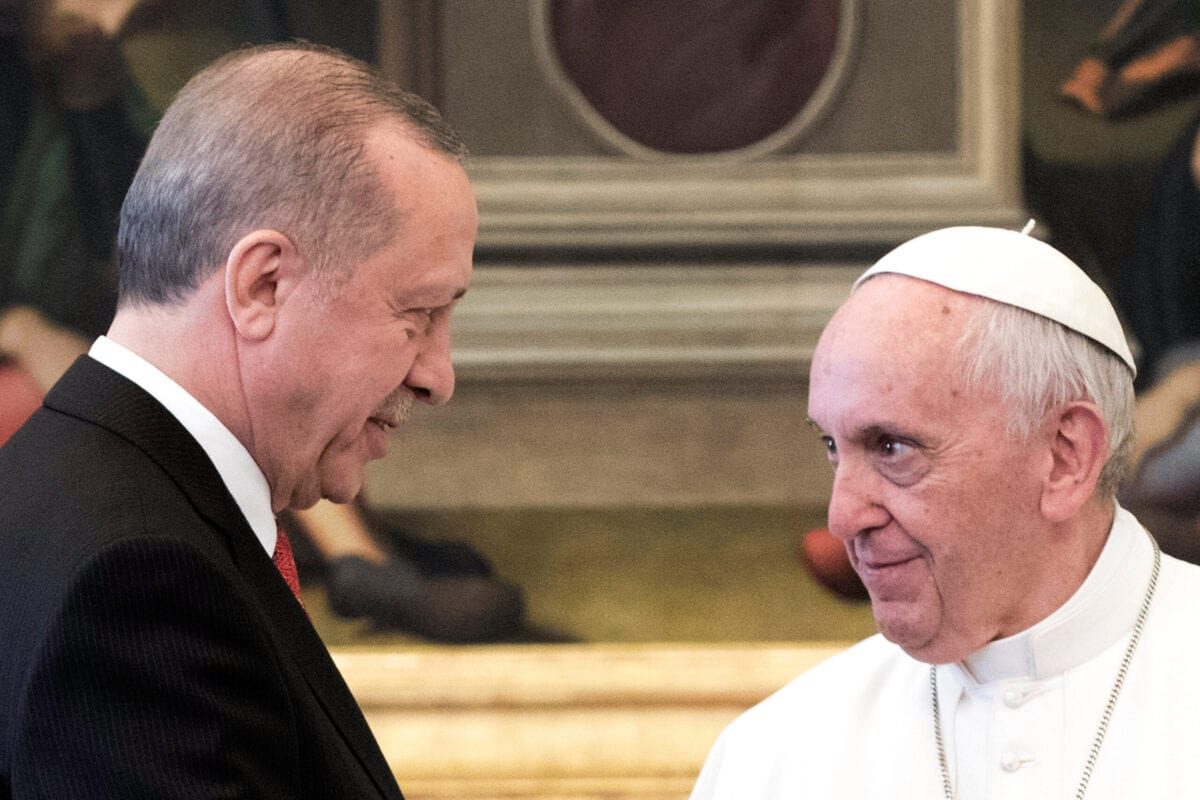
299 639
91 391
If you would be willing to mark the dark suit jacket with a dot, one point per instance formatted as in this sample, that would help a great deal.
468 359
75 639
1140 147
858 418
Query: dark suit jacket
148 646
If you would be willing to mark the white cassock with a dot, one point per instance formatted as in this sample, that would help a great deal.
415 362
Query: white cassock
1019 716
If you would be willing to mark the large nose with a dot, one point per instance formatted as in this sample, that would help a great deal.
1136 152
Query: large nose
856 503
431 377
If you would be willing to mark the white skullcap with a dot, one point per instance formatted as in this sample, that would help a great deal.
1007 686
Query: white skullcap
1011 268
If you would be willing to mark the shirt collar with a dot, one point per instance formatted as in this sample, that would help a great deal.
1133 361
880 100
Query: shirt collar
237 468
1100 612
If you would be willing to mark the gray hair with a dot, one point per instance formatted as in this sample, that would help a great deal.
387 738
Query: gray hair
1037 364
267 137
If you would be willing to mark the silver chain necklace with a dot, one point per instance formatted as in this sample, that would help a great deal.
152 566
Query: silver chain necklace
1134 637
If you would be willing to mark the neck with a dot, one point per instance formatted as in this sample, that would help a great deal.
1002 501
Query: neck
1099 611
1082 540
193 347
1071 550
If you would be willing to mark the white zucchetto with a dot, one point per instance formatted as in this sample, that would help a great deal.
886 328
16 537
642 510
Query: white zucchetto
1012 268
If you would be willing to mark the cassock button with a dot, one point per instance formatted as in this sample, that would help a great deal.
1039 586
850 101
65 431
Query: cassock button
1013 698
1010 762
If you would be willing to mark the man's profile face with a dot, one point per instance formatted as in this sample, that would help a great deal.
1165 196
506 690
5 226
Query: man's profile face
351 367
937 504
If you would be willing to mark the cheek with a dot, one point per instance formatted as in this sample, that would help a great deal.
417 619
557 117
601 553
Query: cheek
942 528
924 517
332 428
376 369
970 546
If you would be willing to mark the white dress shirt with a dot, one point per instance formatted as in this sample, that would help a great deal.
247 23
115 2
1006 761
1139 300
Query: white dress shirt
237 468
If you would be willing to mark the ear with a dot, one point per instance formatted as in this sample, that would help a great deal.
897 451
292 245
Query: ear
261 270
1079 451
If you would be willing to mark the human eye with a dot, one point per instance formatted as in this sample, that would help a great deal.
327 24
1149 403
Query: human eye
893 448
417 321
900 460
831 452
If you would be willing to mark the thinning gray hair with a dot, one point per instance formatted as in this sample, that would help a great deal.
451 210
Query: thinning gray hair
1036 364
267 137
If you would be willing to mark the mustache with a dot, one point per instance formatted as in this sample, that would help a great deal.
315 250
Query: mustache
397 407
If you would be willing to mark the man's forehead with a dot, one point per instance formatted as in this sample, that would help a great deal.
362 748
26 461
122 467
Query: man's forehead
895 336
899 310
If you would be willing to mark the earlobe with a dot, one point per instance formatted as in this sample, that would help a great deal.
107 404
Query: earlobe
258 276
1079 450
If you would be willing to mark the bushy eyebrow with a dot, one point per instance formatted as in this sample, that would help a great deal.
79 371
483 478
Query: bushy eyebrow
866 433
454 298
872 432
422 298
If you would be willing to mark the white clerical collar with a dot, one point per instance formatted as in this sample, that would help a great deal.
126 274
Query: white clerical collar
234 464
1100 612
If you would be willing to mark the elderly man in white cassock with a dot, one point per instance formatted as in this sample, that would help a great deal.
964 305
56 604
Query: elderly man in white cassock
975 396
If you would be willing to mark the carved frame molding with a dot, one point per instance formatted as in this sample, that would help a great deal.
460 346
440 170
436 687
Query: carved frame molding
533 314
541 203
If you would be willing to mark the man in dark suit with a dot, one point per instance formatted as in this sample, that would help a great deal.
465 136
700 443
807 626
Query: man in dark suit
291 250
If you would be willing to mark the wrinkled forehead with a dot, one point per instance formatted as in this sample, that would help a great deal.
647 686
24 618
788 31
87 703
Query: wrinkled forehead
896 336
892 356
891 312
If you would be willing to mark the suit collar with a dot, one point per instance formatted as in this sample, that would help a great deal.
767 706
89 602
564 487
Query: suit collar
91 391
238 470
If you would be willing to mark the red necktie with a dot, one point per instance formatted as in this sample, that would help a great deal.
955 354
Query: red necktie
286 564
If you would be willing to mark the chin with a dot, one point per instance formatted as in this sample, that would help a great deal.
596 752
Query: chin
299 505
935 650
917 640
342 497
340 477
343 491
303 499
313 494
934 654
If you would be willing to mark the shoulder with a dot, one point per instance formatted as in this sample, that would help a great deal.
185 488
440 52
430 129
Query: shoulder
1183 573
807 739
1177 600
61 458
66 497
68 485
823 708
855 677
1178 584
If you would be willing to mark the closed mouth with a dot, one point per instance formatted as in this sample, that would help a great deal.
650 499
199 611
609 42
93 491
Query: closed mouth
881 564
